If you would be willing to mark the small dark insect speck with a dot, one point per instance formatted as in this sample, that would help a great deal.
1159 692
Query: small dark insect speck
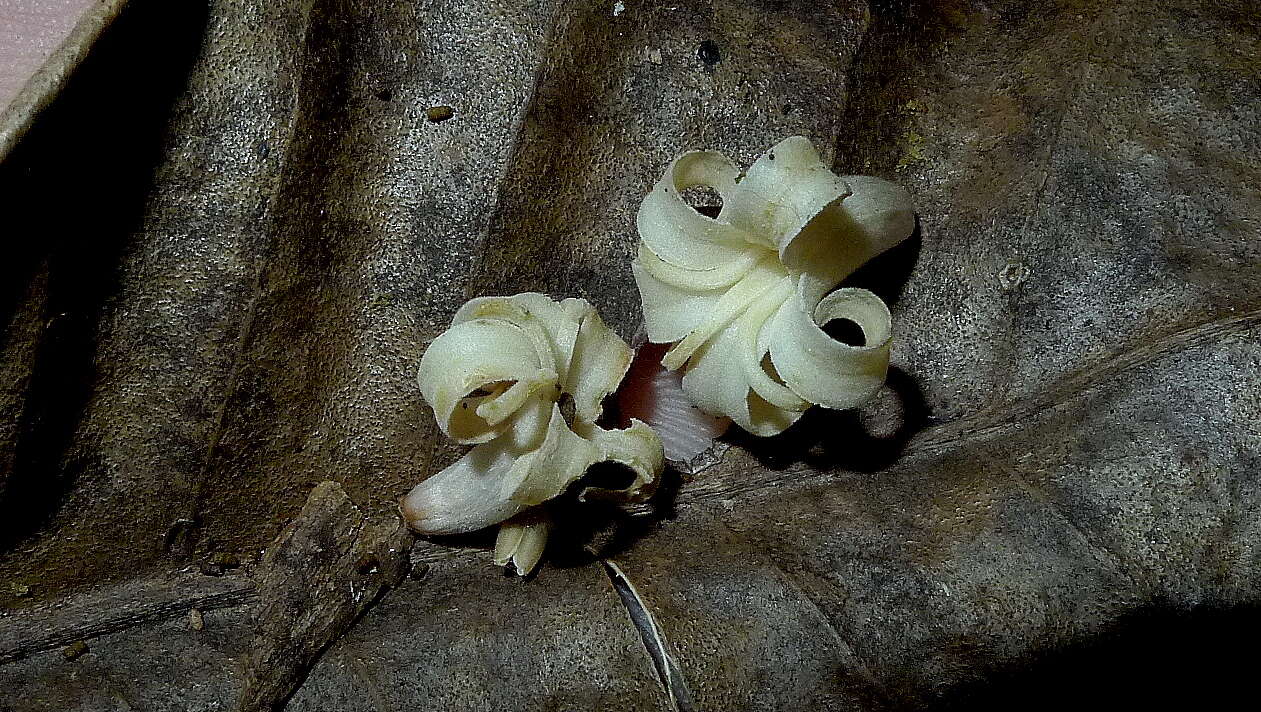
263 149
437 114
225 560
772 155
367 564
567 408
74 650
709 53
385 95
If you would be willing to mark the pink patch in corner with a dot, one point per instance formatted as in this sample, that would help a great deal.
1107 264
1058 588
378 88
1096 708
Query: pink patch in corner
30 31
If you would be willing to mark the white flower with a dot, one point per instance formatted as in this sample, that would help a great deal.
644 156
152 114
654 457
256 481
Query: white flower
745 294
497 379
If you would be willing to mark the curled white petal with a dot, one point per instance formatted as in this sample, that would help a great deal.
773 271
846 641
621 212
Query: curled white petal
598 362
544 473
744 296
469 494
496 378
820 369
636 447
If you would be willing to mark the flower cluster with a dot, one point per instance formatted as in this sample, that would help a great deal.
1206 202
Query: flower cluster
744 295
498 379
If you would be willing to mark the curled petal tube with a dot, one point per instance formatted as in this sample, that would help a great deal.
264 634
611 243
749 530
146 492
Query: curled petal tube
743 297
496 379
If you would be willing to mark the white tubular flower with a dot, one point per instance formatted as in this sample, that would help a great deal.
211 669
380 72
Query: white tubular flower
521 540
498 379
745 294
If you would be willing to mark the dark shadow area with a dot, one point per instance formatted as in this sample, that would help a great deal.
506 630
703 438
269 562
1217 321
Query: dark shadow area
886 274
834 439
846 331
1153 659
77 184
481 539
583 532
586 532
